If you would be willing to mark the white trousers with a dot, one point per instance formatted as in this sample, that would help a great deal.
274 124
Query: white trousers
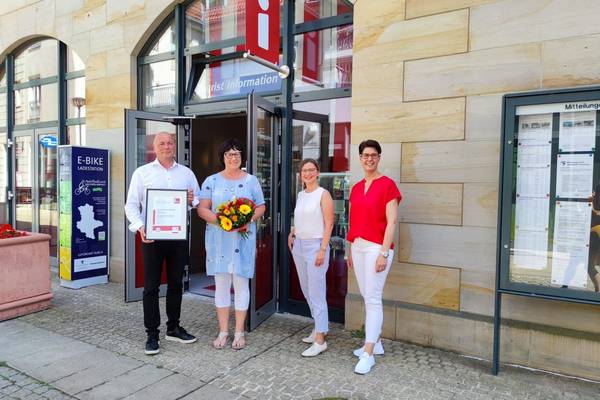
370 284
241 290
313 279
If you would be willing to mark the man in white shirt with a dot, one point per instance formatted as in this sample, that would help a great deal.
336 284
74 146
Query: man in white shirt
162 173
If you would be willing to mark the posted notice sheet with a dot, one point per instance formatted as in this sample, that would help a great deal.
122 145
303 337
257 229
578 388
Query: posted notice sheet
571 243
574 175
534 157
577 131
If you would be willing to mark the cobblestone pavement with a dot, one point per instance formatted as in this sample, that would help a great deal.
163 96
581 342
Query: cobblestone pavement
17 385
271 366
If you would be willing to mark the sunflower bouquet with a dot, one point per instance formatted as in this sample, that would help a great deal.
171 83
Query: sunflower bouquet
235 214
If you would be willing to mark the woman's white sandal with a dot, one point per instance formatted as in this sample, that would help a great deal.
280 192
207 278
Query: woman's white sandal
235 344
221 340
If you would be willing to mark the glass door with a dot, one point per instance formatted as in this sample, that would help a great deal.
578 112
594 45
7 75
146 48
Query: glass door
321 131
24 181
46 194
264 128
5 195
140 129
36 195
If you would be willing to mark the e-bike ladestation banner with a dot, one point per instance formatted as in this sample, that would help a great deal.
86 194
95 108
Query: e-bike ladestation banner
84 198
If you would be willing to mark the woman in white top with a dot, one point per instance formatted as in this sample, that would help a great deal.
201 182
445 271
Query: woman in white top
309 243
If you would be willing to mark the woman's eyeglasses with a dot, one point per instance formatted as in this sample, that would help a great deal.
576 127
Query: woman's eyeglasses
308 170
233 154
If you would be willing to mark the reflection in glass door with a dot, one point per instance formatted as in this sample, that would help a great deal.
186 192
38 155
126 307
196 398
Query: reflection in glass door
24 154
47 195
4 183
36 195
321 130
263 130
264 239
140 129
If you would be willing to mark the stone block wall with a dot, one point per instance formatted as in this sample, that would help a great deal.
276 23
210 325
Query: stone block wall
428 83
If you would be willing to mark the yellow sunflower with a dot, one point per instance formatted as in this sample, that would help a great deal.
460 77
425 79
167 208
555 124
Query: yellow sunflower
226 224
226 211
245 209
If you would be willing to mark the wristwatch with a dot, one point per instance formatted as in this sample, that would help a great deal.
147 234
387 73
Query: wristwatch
384 254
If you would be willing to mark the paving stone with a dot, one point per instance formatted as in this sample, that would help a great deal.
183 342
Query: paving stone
270 367
69 365
96 375
210 392
46 356
15 384
174 386
126 384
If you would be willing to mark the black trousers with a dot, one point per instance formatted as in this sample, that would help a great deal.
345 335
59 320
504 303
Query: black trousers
175 253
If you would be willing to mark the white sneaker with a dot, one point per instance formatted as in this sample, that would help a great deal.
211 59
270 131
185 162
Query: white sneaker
364 364
315 349
377 350
310 338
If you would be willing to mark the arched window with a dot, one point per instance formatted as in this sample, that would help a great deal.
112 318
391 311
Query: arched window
42 105
195 56
157 68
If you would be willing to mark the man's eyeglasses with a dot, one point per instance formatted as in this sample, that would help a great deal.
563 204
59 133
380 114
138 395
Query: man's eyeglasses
366 156
233 154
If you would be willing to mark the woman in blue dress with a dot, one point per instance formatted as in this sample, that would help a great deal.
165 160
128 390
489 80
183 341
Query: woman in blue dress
230 258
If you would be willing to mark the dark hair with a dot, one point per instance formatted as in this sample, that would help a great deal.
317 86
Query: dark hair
231 144
309 161
369 143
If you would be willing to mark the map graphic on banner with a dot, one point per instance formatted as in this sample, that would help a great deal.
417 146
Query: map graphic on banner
87 224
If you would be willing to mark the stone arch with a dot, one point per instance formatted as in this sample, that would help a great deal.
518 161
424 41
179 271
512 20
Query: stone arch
151 26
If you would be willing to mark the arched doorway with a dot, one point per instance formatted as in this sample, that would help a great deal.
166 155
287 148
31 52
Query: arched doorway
191 72
42 105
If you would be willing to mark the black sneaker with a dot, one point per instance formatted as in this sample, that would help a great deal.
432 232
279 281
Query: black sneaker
180 335
152 346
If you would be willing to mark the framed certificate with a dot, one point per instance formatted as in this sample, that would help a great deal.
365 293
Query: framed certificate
166 214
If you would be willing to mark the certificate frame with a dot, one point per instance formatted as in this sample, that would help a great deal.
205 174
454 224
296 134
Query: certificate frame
166 214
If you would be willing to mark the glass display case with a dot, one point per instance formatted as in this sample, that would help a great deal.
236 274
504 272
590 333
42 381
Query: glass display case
550 214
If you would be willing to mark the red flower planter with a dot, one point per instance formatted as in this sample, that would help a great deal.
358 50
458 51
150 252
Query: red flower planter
25 271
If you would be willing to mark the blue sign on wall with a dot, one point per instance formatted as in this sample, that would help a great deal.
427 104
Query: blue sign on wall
49 141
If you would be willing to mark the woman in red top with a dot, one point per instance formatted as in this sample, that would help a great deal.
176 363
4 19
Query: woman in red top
373 214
